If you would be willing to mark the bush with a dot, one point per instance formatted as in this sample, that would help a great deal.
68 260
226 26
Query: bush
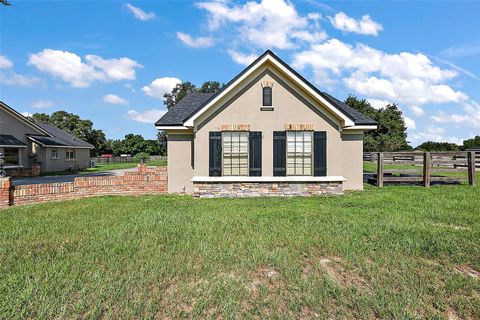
141 156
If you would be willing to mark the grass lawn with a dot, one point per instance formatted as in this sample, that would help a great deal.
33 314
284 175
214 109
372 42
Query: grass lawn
108 167
395 252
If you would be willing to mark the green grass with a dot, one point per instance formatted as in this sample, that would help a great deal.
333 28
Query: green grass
390 252
108 167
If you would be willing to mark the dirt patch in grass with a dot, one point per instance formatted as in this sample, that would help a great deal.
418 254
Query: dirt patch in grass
264 276
450 226
452 314
468 271
334 266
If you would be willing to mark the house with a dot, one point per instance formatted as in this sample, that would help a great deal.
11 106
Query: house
267 132
25 144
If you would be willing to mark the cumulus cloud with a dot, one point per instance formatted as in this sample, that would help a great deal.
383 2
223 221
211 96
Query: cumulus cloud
410 123
407 78
264 24
160 86
14 79
26 114
42 104
241 58
5 63
80 74
147 116
378 104
471 116
114 99
366 25
433 133
139 13
200 42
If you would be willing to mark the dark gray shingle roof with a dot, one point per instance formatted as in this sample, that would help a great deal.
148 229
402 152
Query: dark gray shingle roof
190 104
8 140
195 101
60 138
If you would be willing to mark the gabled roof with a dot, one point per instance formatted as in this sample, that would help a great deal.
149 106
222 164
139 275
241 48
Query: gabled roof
22 118
183 109
197 105
7 140
59 138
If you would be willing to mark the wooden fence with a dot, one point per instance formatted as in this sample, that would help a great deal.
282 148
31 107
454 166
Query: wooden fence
426 167
128 159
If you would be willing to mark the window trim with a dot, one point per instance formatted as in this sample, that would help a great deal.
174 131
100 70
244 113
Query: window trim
51 154
224 166
18 157
68 158
264 94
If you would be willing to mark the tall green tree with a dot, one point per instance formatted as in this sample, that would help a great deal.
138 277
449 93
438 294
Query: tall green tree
162 141
184 88
391 134
73 124
438 146
472 143
134 144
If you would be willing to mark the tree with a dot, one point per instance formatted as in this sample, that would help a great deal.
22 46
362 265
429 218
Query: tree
162 141
184 88
438 146
72 123
5 3
134 144
472 143
391 134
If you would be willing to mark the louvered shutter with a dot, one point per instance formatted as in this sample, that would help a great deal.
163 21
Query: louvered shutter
279 155
215 154
320 153
255 154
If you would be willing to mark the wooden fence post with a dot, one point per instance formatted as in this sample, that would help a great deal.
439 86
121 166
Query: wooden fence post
426 169
380 169
471 168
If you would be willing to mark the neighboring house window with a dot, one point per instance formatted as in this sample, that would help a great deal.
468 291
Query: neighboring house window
299 153
11 156
70 154
54 154
267 96
235 153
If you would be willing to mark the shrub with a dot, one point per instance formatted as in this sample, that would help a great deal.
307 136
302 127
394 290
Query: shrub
141 156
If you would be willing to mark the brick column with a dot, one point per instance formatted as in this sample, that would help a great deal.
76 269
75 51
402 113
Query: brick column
141 168
5 184
35 169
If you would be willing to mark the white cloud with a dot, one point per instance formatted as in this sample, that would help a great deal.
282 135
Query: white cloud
42 104
114 99
147 116
26 114
160 86
264 24
364 26
139 13
432 133
70 67
5 63
241 58
15 79
410 79
378 104
410 123
417 111
471 116
200 42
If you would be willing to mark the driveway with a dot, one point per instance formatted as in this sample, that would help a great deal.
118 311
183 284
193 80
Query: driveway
68 178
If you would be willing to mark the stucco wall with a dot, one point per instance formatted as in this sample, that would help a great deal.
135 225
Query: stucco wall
180 168
352 161
62 164
288 108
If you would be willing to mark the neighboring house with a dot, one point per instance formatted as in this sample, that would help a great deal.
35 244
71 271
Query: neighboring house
267 132
25 143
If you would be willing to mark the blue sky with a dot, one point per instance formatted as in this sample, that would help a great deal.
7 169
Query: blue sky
112 61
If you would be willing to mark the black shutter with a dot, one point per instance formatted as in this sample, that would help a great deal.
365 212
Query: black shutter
267 96
215 154
279 154
320 153
255 153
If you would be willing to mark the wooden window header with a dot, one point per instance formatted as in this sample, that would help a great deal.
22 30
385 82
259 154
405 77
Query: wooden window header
299 127
235 127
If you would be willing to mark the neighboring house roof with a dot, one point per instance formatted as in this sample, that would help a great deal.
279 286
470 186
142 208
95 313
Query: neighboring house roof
177 117
59 138
7 140
22 118
182 110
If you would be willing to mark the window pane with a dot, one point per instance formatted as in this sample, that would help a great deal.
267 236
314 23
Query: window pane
11 156
235 153
299 152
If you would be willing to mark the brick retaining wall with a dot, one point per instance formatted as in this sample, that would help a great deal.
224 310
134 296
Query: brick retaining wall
261 189
146 180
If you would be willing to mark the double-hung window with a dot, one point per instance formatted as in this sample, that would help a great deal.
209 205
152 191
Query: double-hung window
299 153
70 154
54 154
235 153
11 156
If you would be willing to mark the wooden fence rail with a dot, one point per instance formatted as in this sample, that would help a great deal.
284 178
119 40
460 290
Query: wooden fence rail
425 163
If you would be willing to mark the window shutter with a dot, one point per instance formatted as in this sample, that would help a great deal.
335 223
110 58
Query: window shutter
320 153
267 96
215 154
255 154
279 154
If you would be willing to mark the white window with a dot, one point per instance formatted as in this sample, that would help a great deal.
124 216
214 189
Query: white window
299 153
70 154
235 153
54 154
